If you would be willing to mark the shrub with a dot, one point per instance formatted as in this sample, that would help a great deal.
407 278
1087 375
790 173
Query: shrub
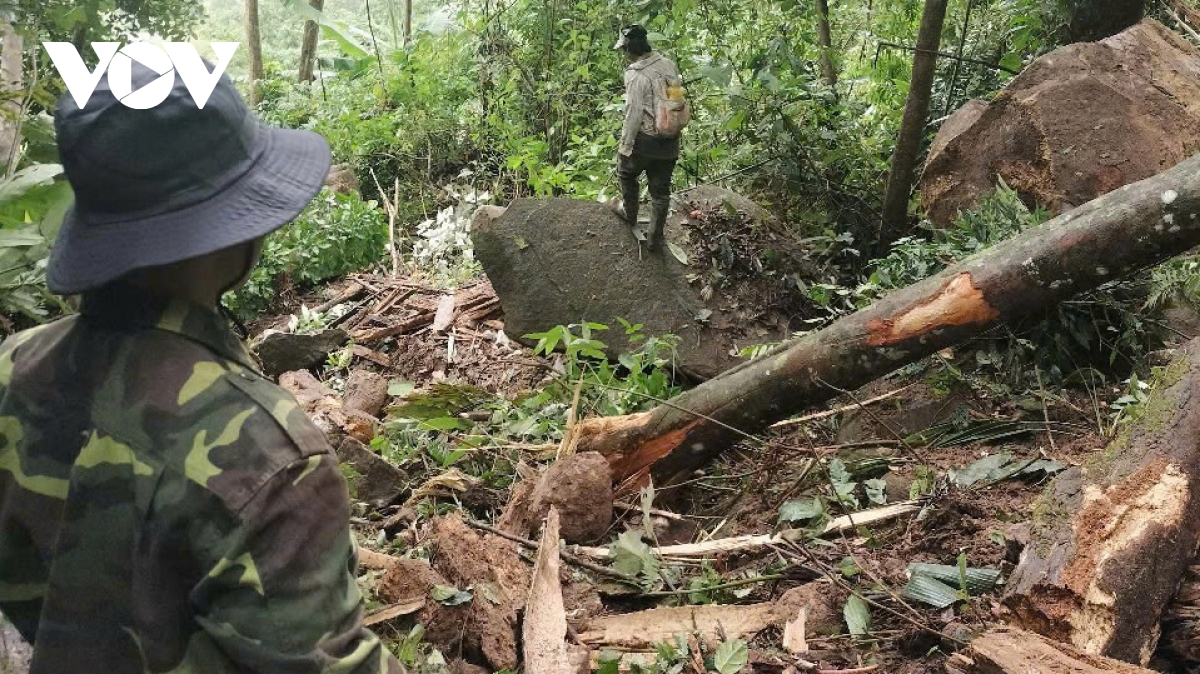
335 235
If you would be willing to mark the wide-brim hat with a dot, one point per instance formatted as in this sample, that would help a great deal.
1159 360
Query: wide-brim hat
174 182
628 33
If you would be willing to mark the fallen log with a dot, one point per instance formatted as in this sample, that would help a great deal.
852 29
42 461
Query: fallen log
1005 650
1110 541
1126 230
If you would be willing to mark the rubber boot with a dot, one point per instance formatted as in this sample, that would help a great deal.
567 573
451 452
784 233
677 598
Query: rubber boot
660 210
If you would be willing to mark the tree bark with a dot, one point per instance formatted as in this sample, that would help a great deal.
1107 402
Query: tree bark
308 48
1004 650
825 35
254 48
12 86
1111 541
1126 230
912 128
407 22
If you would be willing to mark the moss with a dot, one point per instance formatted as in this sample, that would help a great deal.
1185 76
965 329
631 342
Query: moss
1159 410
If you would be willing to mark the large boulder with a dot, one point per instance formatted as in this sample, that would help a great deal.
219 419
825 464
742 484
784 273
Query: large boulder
562 262
1079 122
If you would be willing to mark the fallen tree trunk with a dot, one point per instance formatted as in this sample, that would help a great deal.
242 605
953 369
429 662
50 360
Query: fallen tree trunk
1126 230
1111 541
1005 650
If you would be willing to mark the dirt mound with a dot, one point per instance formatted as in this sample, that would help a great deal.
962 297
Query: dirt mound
580 486
1077 123
561 262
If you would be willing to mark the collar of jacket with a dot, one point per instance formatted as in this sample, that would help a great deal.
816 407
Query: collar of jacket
121 307
649 59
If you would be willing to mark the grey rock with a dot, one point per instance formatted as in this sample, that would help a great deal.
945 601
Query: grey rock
284 352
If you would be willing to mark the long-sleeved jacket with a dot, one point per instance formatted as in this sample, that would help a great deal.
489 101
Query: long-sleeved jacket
640 79
164 508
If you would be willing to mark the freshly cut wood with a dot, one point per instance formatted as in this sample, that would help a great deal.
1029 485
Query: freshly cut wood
375 561
1129 229
445 313
724 546
794 633
393 611
715 623
1006 650
646 628
1111 541
545 628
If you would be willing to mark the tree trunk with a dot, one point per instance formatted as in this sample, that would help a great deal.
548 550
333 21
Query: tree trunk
825 35
407 22
912 128
12 87
1111 542
1093 20
1004 650
308 48
1134 227
254 47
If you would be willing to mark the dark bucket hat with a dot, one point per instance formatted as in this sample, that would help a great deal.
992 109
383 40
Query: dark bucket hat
632 33
158 186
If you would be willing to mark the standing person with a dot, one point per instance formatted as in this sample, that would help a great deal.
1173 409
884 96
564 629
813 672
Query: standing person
649 138
163 506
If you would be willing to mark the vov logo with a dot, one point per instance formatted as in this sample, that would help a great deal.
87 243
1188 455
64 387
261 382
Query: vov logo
117 61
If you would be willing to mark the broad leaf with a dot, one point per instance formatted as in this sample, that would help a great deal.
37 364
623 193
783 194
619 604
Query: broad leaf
731 657
449 596
28 178
857 615
801 510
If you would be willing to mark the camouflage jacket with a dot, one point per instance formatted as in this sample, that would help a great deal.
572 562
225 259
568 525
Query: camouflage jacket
164 508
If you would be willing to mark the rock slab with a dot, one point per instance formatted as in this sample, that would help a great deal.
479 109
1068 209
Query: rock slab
563 262
1078 123
284 352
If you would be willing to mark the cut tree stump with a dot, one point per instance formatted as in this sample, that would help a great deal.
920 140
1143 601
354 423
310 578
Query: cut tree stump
1006 650
1126 230
1110 541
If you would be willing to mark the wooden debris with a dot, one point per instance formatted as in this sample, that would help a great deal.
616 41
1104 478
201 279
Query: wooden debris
1110 543
545 626
751 543
393 611
793 633
715 623
375 561
352 292
373 356
1007 650
646 628
445 314
1097 243
841 410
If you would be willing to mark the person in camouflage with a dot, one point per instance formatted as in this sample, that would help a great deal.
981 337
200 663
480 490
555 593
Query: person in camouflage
163 506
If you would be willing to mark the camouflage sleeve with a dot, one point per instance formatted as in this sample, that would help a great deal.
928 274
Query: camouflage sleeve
283 596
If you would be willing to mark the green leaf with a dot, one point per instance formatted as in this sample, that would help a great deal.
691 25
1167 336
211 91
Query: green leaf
631 556
449 596
445 424
857 615
838 472
399 389
677 252
28 178
731 657
801 510
931 591
610 662
876 491
978 580
978 471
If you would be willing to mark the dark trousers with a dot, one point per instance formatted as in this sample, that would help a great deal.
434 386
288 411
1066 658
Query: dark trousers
658 173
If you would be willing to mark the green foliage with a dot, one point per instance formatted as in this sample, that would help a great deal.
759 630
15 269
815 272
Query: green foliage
336 234
731 657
